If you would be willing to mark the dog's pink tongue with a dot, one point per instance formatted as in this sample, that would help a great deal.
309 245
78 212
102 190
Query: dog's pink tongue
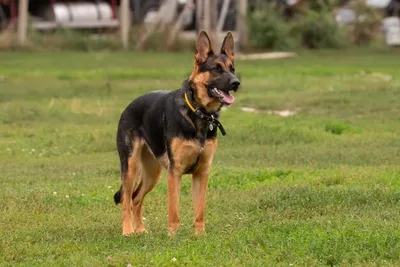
227 97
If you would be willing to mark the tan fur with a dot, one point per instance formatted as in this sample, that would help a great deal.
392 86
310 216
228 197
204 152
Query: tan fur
164 161
184 154
174 188
227 65
203 48
128 181
151 175
201 93
195 71
227 47
144 166
199 185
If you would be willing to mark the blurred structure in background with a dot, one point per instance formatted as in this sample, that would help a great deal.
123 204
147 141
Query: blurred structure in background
390 9
180 15
181 18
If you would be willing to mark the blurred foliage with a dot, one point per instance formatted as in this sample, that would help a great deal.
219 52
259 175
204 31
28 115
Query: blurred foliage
312 25
366 26
323 5
309 27
268 29
318 30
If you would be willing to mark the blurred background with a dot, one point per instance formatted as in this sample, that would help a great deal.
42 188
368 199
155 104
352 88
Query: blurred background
308 174
258 25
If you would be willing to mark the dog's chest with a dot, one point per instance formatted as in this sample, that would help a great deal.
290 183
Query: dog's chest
184 154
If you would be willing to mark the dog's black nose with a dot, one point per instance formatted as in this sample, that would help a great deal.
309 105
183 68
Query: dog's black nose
235 84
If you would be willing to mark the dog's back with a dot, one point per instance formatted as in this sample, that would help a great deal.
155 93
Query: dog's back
142 118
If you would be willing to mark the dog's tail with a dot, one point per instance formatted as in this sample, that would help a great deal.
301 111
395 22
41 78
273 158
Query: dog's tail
118 194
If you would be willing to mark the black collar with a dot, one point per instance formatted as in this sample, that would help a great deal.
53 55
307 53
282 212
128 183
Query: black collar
201 115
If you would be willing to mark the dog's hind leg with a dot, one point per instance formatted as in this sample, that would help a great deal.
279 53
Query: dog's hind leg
150 175
129 152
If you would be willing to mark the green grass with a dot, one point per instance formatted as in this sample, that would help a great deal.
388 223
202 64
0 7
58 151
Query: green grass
318 188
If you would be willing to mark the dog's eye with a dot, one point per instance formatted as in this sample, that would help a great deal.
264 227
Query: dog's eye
232 69
218 68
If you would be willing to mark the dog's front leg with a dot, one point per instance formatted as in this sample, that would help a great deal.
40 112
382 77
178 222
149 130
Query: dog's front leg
199 185
199 188
184 155
174 188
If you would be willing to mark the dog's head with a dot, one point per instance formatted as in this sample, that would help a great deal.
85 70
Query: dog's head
213 77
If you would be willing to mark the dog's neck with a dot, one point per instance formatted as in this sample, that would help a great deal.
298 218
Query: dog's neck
197 115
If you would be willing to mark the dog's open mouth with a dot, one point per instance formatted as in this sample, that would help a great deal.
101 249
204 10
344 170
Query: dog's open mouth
224 96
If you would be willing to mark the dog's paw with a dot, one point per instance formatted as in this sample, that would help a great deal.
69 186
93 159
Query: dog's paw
199 231
127 233
172 232
127 228
199 228
141 230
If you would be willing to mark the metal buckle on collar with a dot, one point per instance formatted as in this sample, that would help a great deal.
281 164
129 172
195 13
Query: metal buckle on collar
211 119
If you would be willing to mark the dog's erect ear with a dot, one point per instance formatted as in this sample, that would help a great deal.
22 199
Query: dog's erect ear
228 47
203 48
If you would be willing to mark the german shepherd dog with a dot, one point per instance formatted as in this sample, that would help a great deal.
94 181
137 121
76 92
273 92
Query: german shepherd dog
175 130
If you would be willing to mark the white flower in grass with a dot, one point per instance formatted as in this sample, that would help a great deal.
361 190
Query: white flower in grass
54 193
66 196
174 259
109 187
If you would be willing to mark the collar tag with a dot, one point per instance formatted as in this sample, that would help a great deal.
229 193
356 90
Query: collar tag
210 118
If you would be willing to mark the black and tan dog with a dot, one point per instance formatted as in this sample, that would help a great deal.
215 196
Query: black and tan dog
175 130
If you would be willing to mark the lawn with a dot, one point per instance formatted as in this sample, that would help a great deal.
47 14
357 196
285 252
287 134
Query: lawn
318 188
